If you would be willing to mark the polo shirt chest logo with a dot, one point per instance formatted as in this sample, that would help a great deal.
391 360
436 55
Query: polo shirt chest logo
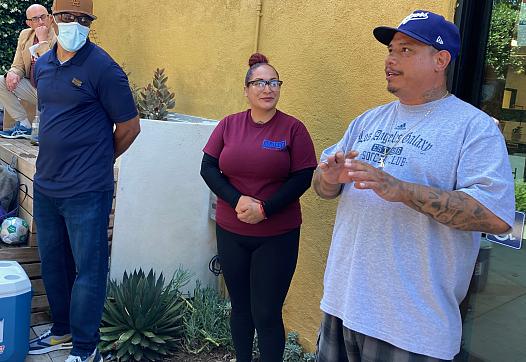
76 82
75 3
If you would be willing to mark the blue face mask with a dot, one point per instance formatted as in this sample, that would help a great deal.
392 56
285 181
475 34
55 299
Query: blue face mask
72 36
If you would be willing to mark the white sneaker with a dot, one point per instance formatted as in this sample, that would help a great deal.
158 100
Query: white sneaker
94 357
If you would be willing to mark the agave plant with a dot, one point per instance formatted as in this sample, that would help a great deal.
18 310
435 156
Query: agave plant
143 317
155 99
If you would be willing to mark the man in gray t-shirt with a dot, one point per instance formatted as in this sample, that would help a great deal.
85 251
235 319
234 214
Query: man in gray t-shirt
418 180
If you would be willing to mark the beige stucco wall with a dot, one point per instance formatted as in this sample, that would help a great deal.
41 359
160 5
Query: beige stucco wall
331 65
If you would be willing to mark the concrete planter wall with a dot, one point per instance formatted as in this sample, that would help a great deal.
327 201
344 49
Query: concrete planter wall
161 218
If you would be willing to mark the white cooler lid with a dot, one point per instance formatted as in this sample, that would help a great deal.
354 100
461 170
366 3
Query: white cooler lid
13 279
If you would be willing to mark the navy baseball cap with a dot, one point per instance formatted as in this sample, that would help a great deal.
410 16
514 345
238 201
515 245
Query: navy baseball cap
426 27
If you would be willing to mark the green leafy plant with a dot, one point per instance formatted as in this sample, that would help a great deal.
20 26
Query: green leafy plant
207 321
520 196
143 317
155 99
293 350
500 53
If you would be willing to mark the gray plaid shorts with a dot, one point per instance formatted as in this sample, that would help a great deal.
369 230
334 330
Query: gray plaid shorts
339 344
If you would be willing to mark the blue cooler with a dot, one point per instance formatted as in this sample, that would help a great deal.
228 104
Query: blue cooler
15 311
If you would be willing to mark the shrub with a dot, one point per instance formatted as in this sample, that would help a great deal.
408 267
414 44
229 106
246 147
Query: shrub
293 350
207 321
143 318
520 196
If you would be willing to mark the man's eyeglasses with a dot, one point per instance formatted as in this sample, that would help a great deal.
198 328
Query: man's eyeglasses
83 20
260 84
36 19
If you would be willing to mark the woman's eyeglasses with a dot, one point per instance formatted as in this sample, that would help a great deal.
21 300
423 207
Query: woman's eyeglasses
260 84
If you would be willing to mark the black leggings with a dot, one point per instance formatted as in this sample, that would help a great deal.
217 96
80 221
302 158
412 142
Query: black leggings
258 272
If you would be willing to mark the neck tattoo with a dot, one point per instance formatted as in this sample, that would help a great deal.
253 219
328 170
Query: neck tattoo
387 150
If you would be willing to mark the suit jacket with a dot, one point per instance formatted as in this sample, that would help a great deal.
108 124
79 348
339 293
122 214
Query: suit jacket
22 61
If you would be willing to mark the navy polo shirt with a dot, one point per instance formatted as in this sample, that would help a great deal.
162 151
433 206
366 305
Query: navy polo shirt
79 102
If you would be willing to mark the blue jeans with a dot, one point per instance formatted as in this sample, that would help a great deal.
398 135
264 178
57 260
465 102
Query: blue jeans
73 246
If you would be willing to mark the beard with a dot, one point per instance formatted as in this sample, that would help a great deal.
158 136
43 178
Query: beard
392 90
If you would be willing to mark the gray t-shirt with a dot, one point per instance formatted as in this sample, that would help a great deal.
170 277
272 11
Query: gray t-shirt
394 273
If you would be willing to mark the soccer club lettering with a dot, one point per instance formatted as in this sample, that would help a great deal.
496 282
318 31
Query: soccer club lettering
381 143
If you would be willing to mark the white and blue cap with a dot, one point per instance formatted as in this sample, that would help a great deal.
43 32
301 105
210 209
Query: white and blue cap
426 27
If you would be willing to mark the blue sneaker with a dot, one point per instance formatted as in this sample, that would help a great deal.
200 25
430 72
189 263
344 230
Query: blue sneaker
48 342
18 131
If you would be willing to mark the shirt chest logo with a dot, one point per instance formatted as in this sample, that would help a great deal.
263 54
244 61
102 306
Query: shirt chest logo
76 82
274 145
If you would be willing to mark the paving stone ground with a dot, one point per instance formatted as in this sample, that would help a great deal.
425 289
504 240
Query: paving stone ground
55 356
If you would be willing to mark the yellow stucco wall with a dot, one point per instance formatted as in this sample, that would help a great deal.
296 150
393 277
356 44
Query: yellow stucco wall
331 65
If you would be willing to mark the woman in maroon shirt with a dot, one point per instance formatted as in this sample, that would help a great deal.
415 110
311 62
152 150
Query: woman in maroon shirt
258 162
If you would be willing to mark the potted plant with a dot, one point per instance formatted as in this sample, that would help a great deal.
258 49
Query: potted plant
154 101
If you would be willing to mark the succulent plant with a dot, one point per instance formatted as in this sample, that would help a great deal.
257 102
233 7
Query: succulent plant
143 317
155 99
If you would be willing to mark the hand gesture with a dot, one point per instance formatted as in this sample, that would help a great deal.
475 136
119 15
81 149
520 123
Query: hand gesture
42 33
12 79
367 177
248 210
335 169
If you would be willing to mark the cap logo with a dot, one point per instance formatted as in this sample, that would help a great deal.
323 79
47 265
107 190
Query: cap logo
439 40
414 16
75 3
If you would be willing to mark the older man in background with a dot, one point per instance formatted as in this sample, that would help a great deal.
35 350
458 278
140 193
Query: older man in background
18 83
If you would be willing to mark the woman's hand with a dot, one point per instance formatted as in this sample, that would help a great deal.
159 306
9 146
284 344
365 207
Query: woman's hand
249 210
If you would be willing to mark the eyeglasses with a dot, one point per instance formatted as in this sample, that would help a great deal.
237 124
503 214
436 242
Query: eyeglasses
83 20
260 84
36 19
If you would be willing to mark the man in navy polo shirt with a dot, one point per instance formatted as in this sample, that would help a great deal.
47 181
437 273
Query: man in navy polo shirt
83 94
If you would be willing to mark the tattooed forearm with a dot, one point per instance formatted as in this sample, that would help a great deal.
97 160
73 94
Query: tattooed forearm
453 208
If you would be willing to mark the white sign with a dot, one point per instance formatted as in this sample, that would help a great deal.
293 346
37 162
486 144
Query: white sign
513 239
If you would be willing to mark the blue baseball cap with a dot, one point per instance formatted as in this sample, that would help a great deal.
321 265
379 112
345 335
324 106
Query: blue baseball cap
426 27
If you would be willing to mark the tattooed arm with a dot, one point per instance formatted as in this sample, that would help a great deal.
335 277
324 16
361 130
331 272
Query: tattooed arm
452 208
455 209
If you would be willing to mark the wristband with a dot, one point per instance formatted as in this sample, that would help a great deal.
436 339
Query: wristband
262 211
